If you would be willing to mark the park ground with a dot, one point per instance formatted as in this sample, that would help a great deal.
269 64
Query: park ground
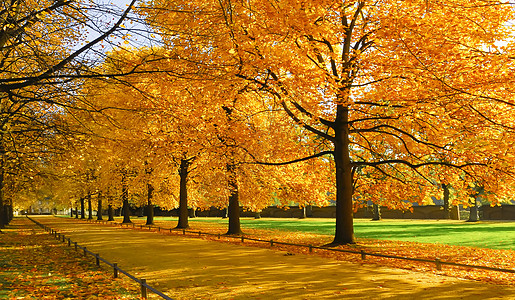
33 265
185 267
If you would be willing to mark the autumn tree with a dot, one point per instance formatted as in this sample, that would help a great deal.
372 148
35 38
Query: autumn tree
393 89
43 50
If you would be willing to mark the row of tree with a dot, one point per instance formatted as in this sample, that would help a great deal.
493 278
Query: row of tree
249 102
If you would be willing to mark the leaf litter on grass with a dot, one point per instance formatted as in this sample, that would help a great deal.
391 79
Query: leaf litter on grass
35 266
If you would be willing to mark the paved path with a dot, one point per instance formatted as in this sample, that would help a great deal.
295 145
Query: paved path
190 268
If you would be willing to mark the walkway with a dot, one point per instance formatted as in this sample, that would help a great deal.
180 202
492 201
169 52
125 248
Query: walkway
191 268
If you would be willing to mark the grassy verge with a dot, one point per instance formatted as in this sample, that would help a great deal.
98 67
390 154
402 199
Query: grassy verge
493 235
35 266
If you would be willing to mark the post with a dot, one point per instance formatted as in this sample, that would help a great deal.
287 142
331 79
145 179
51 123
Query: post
75 245
438 263
143 288
85 251
199 233
310 248
69 242
242 239
183 231
363 255
271 243
97 260
115 270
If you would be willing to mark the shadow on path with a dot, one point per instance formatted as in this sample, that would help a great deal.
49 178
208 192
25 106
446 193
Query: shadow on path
190 268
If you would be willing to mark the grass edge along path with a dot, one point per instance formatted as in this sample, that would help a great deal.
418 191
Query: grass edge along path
459 254
36 266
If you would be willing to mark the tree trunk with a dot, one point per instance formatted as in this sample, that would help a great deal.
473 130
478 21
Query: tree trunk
2 174
125 200
233 210
99 207
76 212
183 194
344 233
193 212
257 215
150 206
71 212
309 211
90 209
110 212
446 204
473 211
82 213
11 211
225 213
302 212
376 210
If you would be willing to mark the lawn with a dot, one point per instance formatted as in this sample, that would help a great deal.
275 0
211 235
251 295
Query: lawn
494 235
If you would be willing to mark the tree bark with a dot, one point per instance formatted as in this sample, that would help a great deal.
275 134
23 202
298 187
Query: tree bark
376 210
233 210
110 212
150 206
82 213
446 204
344 233
473 211
193 212
125 200
76 212
71 212
99 207
90 208
183 194
257 215
2 174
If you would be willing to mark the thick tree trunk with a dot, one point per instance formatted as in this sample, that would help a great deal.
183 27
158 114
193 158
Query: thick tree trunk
82 213
11 211
110 212
90 208
446 204
183 194
99 207
344 233
376 210
71 212
150 206
473 211
125 200
76 212
233 210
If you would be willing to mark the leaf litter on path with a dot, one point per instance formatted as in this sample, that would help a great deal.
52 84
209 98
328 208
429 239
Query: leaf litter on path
35 266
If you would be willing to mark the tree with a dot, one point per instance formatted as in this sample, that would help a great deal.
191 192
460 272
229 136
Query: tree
392 90
41 61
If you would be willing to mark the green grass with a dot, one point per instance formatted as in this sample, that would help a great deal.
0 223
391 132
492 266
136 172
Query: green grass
494 235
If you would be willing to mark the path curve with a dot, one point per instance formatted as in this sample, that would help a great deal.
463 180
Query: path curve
191 268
